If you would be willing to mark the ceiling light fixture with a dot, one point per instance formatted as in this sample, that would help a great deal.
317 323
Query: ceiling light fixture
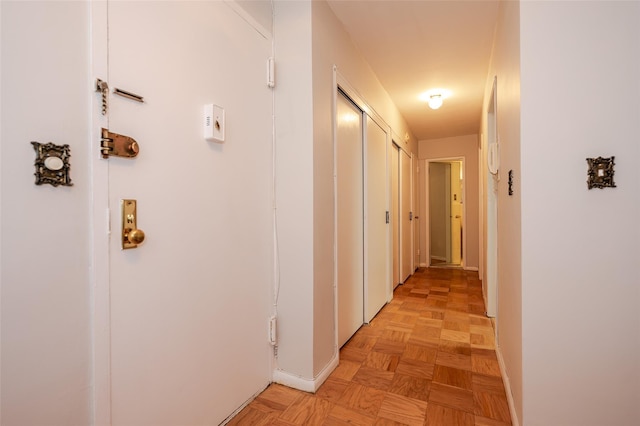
435 97
435 101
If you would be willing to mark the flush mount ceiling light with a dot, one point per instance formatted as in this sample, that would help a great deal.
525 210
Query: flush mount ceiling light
435 101
435 97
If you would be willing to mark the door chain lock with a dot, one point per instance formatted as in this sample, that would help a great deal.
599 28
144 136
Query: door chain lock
118 145
103 88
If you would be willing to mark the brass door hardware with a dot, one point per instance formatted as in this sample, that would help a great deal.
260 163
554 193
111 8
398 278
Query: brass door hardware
131 235
103 88
128 95
118 145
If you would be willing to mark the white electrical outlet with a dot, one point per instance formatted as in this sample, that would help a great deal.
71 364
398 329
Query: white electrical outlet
213 123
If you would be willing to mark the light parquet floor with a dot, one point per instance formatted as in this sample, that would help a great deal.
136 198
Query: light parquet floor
428 358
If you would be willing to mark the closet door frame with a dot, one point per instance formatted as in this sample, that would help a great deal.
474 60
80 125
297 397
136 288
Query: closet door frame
342 84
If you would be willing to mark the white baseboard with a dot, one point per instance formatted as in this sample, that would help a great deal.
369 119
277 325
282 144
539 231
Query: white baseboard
424 265
507 387
293 381
302 383
471 268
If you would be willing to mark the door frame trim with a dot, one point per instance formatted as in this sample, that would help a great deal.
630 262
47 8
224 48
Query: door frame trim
402 213
342 83
427 213
100 218
490 211
339 94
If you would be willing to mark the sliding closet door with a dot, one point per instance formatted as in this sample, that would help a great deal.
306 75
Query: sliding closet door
416 213
349 218
395 215
375 244
405 216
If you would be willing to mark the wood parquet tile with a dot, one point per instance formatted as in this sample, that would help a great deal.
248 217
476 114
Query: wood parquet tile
427 358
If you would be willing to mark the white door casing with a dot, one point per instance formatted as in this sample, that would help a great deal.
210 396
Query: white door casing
490 283
446 194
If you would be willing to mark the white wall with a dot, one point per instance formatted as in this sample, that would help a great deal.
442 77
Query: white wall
323 188
454 147
580 276
294 188
568 324
505 66
46 342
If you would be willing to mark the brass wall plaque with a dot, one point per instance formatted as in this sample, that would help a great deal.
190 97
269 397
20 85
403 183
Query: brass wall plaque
600 173
52 164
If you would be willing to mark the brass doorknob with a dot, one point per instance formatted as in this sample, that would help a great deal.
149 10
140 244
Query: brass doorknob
136 236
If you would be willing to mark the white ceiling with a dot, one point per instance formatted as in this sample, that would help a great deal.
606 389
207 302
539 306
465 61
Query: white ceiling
414 46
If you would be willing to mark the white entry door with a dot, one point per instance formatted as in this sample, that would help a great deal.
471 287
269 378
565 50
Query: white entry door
188 317
349 218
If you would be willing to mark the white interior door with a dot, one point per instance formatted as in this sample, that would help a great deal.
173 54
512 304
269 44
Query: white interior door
455 198
405 215
349 218
375 243
187 315
448 216
395 214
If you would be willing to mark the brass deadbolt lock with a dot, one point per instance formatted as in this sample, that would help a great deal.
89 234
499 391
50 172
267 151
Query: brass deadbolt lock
118 145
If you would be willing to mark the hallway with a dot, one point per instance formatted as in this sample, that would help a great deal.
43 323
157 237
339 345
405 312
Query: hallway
427 358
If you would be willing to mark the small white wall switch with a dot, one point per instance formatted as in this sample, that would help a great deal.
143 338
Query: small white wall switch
214 123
